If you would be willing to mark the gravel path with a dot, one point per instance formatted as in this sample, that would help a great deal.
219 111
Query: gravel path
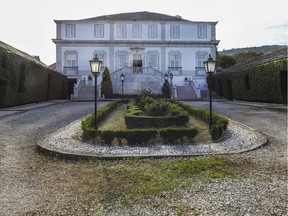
33 184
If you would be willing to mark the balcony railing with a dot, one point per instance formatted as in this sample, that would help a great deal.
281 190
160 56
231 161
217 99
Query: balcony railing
175 70
200 71
70 70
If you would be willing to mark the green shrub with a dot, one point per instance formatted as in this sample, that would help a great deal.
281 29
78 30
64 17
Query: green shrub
170 135
219 123
87 125
157 108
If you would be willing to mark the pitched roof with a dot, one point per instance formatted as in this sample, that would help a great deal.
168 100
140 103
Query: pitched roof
138 16
277 55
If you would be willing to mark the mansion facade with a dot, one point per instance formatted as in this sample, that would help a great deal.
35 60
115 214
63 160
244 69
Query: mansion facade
142 45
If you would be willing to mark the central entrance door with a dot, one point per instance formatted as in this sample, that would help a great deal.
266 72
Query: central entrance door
137 63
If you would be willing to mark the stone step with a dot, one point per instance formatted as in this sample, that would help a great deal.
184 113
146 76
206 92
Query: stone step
186 93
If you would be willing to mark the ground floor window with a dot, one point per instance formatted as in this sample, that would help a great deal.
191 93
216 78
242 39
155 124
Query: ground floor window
121 59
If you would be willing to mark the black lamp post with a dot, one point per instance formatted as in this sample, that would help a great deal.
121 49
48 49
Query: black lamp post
122 78
95 66
210 69
172 89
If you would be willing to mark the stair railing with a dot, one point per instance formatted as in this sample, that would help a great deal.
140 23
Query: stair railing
77 87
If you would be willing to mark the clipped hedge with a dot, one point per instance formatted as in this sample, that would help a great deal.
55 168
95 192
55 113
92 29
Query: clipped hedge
146 136
170 135
219 123
137 118
262 83
88 124
131 136
23 79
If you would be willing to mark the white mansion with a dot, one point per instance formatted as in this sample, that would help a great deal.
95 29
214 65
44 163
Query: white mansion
143 46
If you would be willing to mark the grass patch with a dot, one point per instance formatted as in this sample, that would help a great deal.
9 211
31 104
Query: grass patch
157 177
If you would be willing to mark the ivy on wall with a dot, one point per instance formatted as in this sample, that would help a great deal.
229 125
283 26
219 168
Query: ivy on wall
24 81
263 83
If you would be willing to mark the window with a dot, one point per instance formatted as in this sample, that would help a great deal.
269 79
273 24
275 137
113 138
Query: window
101 56
121 30
121 59
153 59
137 31
175 31
70 30
201 57
175 63
152 31
174 59
202 31
71 60
99 30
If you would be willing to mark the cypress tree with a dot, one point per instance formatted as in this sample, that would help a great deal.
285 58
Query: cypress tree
106 84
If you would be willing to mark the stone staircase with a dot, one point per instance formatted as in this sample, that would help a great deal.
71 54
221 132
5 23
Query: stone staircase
134 83
86 93
186 93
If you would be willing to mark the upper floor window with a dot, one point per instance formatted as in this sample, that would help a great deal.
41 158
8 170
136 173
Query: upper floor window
175 31
153 59
99 30
137 31
152 31
202 31
70 30
121 30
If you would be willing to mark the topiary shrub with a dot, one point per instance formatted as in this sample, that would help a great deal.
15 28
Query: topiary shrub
106 84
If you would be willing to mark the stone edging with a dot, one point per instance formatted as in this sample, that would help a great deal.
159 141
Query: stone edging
66 143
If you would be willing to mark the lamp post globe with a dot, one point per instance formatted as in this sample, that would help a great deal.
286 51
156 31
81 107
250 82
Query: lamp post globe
166 77
95 65
210 65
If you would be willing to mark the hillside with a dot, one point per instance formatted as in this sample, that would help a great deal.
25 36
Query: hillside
264 49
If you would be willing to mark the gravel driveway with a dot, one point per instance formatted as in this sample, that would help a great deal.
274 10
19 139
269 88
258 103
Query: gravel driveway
33 184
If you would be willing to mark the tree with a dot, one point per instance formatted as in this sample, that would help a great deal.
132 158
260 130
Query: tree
225 61
166 91
245 56
106 84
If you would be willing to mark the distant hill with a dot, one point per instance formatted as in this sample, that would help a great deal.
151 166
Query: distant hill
264 49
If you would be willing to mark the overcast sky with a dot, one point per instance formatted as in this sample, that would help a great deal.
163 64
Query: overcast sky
28 24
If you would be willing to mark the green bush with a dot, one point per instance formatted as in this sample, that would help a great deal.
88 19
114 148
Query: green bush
87 125
157 108
170 135
219 123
